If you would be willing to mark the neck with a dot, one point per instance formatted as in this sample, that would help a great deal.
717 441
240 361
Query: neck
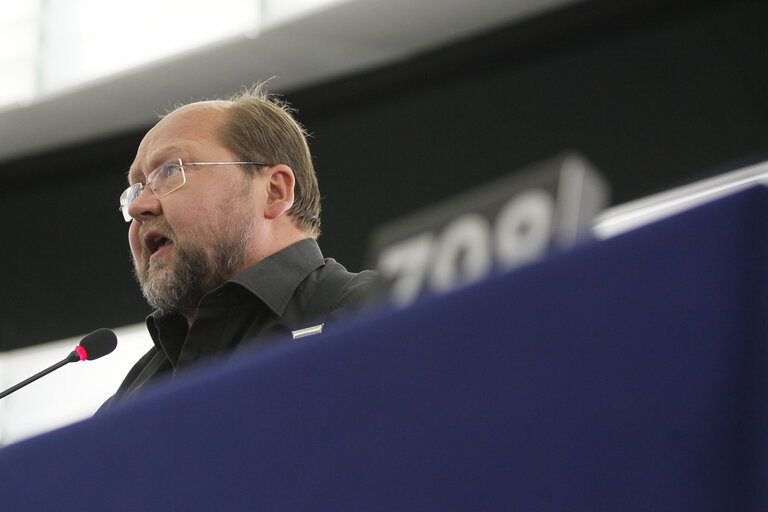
277 242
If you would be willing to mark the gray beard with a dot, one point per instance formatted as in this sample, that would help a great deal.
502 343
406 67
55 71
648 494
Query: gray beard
179 284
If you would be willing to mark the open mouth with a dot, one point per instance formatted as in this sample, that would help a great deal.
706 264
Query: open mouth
157 244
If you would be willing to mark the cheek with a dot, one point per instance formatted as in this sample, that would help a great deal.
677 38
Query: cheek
133 239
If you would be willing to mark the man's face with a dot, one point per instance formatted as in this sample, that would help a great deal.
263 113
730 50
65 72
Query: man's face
192 240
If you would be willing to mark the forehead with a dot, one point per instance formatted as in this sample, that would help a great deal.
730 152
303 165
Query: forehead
189 130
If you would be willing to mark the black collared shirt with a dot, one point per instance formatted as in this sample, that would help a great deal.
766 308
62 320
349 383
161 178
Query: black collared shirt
291 289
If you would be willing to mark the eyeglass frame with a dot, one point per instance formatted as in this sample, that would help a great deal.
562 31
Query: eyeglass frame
141 186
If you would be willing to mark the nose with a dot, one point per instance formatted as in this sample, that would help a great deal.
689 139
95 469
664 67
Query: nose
145 206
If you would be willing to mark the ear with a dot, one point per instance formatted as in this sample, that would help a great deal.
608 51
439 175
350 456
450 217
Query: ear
279 189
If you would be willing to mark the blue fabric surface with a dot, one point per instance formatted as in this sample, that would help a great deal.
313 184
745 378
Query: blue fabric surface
628 374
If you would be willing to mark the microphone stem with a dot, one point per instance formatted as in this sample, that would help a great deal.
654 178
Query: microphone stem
35 377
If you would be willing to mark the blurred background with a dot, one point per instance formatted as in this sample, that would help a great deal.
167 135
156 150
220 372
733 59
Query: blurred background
408 102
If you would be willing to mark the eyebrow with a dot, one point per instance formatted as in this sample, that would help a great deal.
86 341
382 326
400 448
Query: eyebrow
129 175
162 151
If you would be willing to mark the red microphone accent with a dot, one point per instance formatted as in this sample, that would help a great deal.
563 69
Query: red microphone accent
81 352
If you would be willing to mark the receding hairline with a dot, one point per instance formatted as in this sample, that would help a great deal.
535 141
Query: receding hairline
220 107
216 105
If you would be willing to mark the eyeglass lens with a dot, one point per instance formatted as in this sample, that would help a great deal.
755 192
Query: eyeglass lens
162 181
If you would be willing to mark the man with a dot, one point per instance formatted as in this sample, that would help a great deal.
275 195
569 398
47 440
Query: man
224 210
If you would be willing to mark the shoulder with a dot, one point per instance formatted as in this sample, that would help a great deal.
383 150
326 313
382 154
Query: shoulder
358 289
337 290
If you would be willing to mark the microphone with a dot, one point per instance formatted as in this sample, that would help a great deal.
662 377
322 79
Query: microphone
95 345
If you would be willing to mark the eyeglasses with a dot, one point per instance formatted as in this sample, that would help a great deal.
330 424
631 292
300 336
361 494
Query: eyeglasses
167 178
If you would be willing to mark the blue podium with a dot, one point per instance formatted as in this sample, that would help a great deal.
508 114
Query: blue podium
627 374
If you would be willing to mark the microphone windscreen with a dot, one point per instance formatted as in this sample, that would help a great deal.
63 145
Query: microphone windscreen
99 343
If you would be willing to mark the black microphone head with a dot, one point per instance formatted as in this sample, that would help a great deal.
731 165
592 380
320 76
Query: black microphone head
99 343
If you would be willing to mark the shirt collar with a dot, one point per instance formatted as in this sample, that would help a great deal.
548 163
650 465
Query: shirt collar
275 278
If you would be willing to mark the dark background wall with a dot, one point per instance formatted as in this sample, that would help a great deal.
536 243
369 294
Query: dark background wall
652 92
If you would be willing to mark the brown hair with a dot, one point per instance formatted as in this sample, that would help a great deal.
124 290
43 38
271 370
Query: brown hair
261 128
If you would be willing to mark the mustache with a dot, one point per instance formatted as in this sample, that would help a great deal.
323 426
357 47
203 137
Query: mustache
157 225
141 262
